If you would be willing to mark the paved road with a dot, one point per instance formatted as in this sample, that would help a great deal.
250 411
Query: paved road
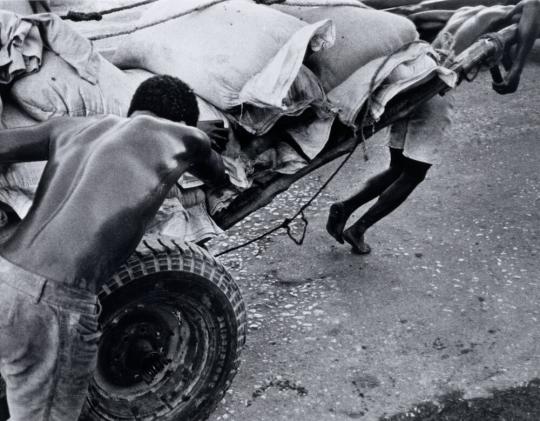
447 301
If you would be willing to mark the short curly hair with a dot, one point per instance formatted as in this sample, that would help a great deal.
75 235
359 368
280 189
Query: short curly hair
167 97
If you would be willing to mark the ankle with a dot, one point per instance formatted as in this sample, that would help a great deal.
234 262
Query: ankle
359 229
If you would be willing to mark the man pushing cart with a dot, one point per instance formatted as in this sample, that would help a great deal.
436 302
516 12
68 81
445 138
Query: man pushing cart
105 179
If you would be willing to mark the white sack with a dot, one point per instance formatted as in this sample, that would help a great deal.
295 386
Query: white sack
233 54
362 35
56 90
19 181
21 7
402 71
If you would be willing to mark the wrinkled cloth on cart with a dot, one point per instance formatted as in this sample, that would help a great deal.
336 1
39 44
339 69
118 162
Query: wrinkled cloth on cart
23 38
114 87
399 72
243 58
18 184
183 215
349 67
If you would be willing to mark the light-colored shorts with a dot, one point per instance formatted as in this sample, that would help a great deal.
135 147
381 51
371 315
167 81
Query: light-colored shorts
422 134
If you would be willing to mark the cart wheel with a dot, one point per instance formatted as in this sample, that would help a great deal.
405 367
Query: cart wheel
173 324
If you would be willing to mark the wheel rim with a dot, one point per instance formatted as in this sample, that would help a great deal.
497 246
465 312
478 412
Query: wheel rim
157 353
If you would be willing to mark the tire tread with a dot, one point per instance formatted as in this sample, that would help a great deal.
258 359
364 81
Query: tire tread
163 254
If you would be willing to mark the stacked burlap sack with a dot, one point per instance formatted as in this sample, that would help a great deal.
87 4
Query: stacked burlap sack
250 64
257 64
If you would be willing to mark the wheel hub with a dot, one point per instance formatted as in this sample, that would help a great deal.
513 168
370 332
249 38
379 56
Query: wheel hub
135 349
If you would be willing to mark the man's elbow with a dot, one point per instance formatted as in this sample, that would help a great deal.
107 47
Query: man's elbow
198 144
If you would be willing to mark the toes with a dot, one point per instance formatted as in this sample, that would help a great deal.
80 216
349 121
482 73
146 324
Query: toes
357 246
364 248
335 222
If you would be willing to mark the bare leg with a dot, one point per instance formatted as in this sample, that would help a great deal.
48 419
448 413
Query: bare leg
413 174
341 211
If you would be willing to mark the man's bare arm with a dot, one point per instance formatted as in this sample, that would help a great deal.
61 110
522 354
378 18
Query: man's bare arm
206 164
26 143
528 33
217 132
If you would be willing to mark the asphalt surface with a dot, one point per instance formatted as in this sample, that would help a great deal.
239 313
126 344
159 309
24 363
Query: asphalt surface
447 302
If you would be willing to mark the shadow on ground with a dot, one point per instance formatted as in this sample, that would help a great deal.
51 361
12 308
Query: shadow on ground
517 403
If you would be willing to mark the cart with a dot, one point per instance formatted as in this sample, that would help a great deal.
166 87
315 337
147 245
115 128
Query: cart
173 318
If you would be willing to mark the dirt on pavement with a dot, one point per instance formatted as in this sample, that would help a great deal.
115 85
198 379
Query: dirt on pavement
445 307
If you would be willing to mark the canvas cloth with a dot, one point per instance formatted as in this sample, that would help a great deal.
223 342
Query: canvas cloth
241 57
23 38
57 90
362 35
402 71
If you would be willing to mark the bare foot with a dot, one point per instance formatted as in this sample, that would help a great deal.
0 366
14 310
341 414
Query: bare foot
356 240
336 221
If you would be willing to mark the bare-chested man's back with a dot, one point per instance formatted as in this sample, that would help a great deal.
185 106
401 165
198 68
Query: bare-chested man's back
104 180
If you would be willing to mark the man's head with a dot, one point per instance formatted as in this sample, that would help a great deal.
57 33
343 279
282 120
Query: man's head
167 97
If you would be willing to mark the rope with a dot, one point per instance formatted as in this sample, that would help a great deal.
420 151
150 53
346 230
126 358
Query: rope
157 22
361 139
86 16
82 16
311 3
494 59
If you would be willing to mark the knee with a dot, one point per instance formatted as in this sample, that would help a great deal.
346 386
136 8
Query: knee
397 161
395 167
416 172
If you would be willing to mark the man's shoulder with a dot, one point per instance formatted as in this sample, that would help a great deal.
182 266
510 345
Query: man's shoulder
164 126
68 130
66 122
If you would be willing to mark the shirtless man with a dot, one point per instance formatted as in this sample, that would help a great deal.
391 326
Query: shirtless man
105 179
413 140
467 20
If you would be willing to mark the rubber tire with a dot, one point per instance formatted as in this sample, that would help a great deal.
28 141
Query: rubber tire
158 255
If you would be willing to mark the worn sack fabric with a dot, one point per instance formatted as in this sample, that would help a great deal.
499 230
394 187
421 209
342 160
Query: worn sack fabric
57 90
362 35
62 6
23 39
183 216
391 75
13 116
21 7
233 53
19 181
